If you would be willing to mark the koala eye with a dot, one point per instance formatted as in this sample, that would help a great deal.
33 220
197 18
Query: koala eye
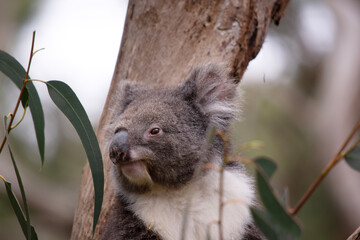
154 131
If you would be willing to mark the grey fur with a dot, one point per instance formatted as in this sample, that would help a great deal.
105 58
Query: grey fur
183 115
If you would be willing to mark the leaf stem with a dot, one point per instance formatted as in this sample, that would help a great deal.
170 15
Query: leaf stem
225 138
221 205
36 80
3 178
12 116
31 55
327 169
22 118
351 148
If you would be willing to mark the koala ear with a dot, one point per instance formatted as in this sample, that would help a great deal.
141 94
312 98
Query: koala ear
127 92
214 92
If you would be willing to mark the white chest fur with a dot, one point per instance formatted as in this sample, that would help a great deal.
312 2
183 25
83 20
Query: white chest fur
164 211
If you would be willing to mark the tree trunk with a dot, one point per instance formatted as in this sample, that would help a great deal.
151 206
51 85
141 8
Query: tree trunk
162 42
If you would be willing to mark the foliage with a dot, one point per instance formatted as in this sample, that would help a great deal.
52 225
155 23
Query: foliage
277 219
352 158
66 100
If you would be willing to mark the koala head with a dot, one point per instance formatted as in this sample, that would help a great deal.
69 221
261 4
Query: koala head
157 136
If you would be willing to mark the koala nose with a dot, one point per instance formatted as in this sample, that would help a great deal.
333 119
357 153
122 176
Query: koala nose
119 147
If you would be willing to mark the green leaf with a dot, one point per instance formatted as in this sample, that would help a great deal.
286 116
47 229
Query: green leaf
13 70
274 207
267 165
16 73
66 100
271 230
353 158
33 234
25 99
263 224
38 118
21 186
15 205
30 233
18 212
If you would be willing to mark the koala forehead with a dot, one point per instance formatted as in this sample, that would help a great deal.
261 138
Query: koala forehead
152 108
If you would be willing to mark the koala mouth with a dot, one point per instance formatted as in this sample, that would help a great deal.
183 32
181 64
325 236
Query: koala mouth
132 167
136 172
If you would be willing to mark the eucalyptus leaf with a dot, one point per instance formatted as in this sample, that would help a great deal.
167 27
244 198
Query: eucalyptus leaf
263 224
353 158
66 100
37 114
273 206
271 230
30 231
18 212
267 165
21 186
25 99
16 73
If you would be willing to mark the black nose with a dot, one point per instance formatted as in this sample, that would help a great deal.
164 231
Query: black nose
119 147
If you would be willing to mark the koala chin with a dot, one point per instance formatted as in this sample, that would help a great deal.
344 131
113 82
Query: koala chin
136 172
165 172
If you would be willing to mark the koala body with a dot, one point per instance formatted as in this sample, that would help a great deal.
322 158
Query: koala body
166 172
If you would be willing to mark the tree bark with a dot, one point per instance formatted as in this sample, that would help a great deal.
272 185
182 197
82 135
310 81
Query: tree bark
162 42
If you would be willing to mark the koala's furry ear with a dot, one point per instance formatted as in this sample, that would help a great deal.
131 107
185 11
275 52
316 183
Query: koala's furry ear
126 93
211 88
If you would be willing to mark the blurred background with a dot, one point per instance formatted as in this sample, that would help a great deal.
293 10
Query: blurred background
301 99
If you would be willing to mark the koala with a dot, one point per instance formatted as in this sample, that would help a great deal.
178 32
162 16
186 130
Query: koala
165 170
